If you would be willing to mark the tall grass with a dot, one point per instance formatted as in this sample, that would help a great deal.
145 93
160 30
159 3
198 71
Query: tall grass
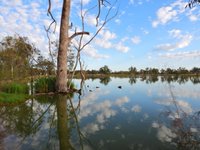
45 85
15 88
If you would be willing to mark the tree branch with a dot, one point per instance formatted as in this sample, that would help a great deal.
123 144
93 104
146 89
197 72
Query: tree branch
53 19
79 33
192 3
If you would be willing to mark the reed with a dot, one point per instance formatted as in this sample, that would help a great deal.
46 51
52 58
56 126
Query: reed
46 85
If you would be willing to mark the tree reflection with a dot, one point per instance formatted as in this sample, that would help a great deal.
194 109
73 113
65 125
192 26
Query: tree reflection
132 80
19 119
195 80
179 125
105 80
62 123
43 123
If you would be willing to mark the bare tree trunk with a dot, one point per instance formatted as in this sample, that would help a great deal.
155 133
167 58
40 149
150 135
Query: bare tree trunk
61 78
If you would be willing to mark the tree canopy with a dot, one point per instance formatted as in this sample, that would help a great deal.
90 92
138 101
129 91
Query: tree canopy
16 57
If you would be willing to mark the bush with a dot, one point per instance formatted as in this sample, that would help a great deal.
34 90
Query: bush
16 88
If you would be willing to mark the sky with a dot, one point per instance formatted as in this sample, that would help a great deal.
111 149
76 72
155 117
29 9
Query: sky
145 33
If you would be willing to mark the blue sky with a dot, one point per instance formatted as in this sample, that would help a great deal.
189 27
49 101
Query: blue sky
145 33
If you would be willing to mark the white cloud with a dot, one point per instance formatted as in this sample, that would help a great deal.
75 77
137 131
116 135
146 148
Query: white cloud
90 51
183 41
136 40
176 33
106 40
122 48
169 13
138 2
25 20
186 54
193 16
91 20
108 35
164 15
118 21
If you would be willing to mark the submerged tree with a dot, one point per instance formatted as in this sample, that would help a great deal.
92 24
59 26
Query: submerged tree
66 40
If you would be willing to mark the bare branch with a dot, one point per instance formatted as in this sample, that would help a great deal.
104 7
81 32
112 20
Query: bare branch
100 2
106 20
50 53
79 33
53 19
80 46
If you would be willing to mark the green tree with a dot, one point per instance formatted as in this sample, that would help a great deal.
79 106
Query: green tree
132 70
45 67
104 70
16 56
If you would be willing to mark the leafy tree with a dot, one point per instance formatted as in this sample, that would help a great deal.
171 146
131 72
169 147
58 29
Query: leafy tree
16 56
195 70
104 70
45 66
132 70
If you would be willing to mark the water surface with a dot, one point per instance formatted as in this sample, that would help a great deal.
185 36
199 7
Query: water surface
111 114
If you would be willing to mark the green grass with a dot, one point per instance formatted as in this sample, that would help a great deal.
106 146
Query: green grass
12 97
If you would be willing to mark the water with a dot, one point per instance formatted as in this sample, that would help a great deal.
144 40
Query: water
141 115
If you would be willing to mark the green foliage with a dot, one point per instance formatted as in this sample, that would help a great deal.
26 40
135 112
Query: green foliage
16 57
104 70
45 85
12 97
16 88
45 66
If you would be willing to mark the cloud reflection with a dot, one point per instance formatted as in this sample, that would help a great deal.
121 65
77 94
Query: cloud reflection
136 108
101 110
165 134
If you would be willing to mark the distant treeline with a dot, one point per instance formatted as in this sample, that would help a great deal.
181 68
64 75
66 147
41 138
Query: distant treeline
19 59
147 71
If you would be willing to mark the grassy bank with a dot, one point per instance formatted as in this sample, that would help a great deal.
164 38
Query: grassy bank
13 92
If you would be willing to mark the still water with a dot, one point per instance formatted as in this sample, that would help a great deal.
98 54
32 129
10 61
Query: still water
111 114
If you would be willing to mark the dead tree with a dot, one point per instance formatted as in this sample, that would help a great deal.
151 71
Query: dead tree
65 39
